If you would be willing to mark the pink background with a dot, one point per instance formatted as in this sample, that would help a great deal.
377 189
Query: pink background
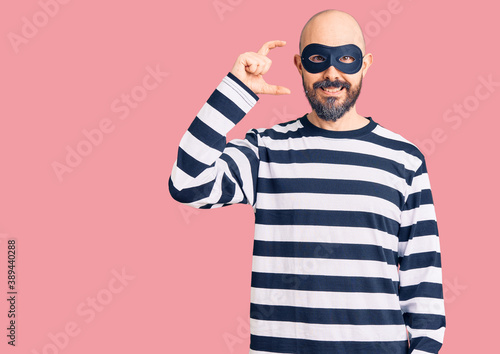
191 268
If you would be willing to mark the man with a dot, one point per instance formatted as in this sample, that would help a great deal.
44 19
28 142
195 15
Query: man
346 254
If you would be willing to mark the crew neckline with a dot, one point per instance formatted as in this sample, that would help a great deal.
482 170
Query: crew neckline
314 130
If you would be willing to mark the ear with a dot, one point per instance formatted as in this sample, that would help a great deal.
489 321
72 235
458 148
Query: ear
298 63
367 62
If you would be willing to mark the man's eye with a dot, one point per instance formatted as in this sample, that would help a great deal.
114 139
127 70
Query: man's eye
316 58
346 59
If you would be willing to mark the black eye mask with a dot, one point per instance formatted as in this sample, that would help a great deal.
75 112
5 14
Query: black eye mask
331 56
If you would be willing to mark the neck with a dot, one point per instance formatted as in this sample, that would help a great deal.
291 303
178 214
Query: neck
351 120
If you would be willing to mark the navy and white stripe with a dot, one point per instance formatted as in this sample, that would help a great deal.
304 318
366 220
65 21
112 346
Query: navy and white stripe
346 254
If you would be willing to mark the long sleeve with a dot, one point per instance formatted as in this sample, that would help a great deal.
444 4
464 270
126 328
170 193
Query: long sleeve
208 172
421 290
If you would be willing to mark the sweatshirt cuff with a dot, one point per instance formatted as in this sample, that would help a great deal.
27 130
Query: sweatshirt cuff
243 86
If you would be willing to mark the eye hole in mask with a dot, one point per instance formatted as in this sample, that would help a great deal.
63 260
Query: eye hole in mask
318 57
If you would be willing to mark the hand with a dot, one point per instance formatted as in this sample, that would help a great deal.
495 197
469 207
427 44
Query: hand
250 66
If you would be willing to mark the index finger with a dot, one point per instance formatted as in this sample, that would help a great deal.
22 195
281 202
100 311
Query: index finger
270 45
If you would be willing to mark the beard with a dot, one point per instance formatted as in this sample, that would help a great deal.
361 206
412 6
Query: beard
328 110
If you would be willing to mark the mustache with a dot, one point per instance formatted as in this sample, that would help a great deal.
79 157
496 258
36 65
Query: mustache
328 83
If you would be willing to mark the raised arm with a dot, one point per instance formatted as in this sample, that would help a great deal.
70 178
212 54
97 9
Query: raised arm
209 172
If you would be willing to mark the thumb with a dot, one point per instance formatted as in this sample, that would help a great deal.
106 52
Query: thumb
275 90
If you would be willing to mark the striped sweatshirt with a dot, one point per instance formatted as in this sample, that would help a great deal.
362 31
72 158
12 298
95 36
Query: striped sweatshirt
346 253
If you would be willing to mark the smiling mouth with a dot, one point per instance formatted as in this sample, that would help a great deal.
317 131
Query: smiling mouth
332 89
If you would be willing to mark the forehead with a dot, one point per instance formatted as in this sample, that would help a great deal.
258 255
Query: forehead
332 33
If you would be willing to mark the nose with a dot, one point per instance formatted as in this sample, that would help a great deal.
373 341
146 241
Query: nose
331 73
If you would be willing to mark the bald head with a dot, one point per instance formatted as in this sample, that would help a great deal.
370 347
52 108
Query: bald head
332 28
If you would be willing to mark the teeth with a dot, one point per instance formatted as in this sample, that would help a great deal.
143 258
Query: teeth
336 89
